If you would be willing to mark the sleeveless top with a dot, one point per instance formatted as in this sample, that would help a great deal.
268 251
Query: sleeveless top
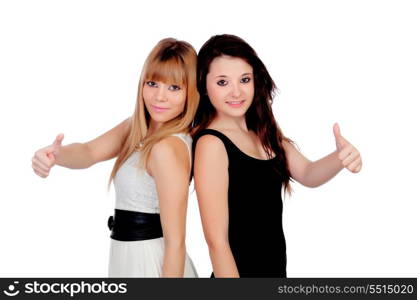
255 230
135 188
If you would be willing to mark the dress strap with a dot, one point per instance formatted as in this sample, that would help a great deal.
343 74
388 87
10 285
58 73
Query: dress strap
228 144
187 140
231 149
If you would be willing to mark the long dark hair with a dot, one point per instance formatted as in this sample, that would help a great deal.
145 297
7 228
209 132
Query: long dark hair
259 116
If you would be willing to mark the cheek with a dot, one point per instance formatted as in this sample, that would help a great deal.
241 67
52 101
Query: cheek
178 101
146 94
250 89
216 94
249 92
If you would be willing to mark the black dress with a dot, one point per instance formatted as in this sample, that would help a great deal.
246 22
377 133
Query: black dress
256 236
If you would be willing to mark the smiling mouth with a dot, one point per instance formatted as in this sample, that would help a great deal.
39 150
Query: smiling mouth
235 103
159 109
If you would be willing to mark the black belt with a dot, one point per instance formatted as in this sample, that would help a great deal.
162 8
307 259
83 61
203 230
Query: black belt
134 226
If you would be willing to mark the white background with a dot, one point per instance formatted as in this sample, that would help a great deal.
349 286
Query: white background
73 67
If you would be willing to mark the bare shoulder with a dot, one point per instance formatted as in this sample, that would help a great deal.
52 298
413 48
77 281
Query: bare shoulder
287 145
210 145
168 155
210 151
128 122
169 147
290 146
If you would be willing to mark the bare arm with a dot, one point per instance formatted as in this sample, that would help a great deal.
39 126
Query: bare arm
80 155
211 182
169 164
104 147
313 174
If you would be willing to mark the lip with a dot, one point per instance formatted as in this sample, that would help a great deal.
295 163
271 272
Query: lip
159 109
235 104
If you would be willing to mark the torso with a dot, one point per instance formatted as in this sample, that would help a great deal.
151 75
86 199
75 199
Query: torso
135 187
255 229
136 191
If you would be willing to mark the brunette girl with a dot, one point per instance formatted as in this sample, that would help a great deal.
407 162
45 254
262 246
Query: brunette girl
243 160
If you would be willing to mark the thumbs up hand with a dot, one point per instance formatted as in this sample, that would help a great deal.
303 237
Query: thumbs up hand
347 153
45 158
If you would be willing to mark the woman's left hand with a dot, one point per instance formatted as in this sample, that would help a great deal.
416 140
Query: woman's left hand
347 153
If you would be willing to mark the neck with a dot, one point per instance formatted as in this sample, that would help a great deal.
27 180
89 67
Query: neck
230 123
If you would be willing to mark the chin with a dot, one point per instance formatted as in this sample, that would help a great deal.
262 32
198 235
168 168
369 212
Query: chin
236 112
162 118
158 118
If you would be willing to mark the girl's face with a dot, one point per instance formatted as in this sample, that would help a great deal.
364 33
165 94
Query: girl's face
163 101
230 86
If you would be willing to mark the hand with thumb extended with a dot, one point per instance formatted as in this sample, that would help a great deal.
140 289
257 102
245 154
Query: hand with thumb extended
347 153
45 158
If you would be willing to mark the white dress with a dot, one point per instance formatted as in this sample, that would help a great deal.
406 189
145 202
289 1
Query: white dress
136 191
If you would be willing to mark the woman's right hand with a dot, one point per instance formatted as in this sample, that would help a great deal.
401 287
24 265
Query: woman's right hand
45 158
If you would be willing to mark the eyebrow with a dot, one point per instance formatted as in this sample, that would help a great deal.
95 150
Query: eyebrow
244 74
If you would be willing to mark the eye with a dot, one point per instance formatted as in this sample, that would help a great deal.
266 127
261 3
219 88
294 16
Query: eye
174 87
245 79
151 83
222 82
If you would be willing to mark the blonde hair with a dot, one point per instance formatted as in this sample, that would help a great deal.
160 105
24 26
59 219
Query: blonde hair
173 62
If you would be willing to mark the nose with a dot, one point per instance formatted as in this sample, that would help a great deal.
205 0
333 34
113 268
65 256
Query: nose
235 92
161 94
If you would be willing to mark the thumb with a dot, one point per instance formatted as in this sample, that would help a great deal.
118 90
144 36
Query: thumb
58 139
336 130
56 145
338 136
